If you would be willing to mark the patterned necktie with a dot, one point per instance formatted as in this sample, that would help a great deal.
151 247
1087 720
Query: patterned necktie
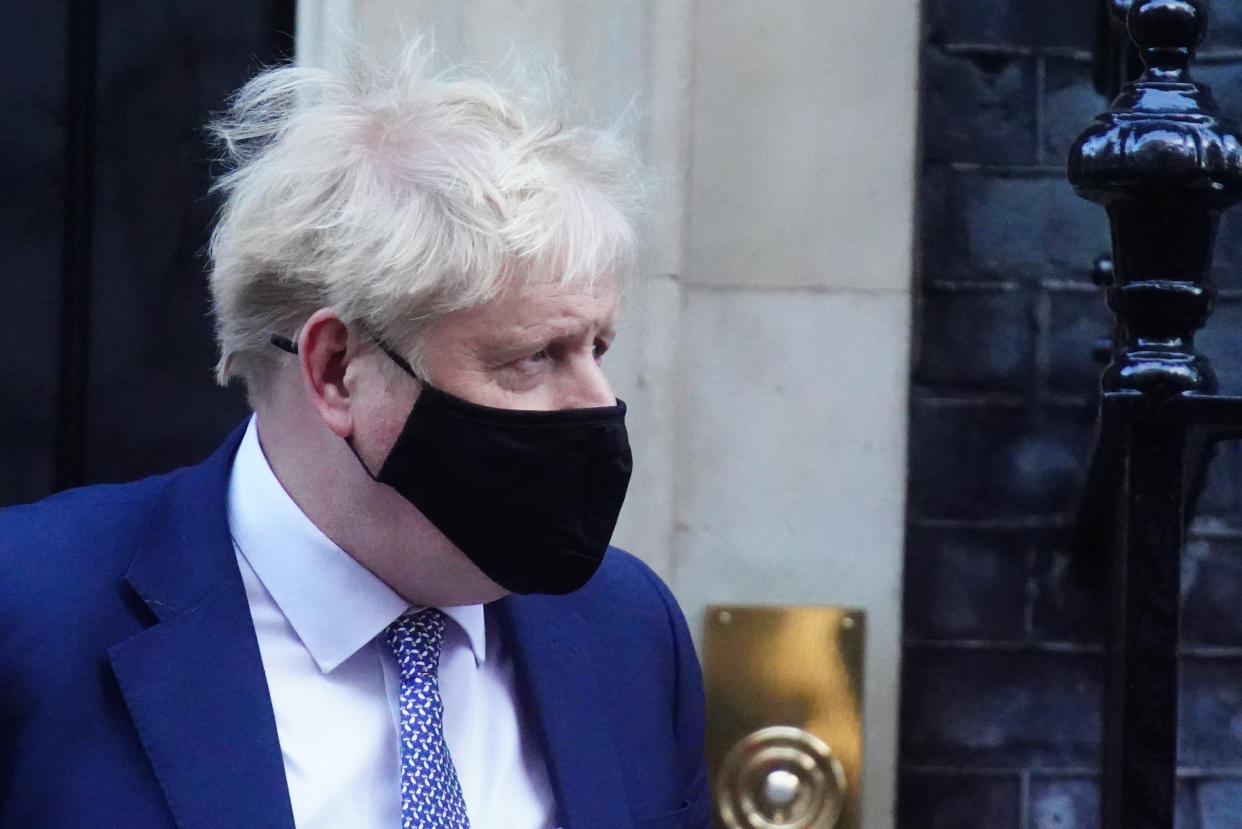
430 791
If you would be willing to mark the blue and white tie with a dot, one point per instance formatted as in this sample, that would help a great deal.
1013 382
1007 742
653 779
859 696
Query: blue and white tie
430 791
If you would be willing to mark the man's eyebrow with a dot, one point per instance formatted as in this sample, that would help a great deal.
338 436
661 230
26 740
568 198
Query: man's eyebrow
561 327
517 338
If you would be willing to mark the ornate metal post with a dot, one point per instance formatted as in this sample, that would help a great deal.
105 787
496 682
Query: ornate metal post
1164 166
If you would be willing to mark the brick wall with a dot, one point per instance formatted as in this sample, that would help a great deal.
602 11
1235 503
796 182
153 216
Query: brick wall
1002 675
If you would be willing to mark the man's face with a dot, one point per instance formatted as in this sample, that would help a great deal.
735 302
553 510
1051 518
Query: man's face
538 349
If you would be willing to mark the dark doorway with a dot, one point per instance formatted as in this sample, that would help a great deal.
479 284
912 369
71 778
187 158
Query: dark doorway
104 166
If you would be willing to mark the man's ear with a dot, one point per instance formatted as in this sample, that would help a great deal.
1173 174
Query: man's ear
324 352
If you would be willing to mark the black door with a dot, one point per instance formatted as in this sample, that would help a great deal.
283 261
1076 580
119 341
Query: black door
106 349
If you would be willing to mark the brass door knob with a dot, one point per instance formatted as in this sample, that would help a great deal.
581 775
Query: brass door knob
779 777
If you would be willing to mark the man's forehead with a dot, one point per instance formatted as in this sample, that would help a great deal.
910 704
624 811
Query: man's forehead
551 306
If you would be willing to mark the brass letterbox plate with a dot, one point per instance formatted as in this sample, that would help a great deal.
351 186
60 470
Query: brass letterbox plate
784 715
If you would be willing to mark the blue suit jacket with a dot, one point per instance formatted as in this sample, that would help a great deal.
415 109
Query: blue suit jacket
132 693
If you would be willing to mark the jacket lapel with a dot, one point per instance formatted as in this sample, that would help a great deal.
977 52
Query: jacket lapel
194 682
560 689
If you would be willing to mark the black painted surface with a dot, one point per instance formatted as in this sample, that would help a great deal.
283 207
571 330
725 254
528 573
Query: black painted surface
1211 712
149 401
1009 24
1002 708
1064 803
1002 687
33 90
973 585
959 802
1005 226
1065 603
987 460
956 352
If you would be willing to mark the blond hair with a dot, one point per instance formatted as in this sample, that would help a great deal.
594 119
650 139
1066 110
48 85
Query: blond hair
393 195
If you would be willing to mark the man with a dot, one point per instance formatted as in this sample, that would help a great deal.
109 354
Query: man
385 600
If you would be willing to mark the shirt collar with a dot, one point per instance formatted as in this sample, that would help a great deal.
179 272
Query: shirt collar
334 604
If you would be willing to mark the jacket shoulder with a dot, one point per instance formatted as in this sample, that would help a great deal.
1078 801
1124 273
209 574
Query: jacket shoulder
57 551
625 575
629 611
637 629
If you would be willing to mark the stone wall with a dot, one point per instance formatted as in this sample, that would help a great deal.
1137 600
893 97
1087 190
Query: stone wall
1002 668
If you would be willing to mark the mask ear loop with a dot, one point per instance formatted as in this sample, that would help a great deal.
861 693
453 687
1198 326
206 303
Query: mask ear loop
400 361
284 344
288 345
361 462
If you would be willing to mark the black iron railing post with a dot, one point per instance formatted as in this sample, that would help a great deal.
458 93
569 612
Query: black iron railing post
1164 166
1140 763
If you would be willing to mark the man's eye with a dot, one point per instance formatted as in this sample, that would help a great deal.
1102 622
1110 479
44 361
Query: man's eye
538 357
599 349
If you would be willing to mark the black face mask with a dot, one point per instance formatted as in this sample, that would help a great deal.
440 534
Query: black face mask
530 497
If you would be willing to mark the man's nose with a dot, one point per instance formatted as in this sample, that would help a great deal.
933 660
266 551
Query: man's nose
587 387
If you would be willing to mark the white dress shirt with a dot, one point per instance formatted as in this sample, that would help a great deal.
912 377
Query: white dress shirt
320 616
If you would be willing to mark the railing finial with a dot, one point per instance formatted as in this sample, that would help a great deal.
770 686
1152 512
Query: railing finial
1166 33
1164 165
